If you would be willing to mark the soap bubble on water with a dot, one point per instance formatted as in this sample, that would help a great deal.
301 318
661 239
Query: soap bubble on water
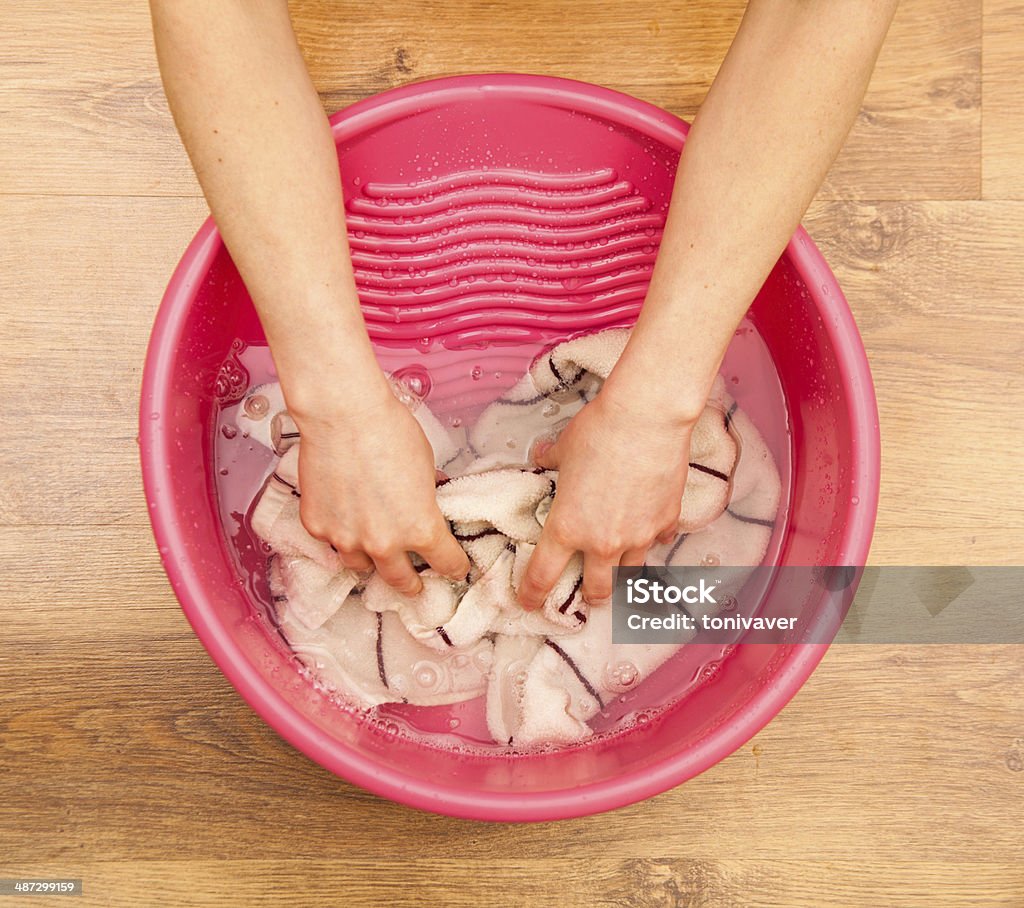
257 406
426 674
620 676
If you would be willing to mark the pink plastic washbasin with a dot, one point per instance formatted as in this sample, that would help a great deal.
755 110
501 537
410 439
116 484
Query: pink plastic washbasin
579 151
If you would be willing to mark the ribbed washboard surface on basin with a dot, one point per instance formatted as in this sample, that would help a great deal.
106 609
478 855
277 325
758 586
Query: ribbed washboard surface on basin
506 259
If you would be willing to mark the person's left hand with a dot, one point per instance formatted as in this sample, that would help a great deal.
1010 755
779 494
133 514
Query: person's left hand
621 475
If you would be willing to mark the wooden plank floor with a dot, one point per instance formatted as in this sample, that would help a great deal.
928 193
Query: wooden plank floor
893 778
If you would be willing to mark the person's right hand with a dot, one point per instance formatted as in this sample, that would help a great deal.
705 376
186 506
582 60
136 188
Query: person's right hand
367 479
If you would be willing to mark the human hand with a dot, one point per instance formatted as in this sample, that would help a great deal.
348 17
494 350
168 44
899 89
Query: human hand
622 470
367 480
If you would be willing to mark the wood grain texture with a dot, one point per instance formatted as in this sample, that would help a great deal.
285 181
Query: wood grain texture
78 305
81 77
950 273
1003 92
146 750
895 776
600 883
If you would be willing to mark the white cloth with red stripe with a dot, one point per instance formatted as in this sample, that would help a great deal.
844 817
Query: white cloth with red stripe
544 673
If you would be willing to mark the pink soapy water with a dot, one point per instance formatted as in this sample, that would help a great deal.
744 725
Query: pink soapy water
457 384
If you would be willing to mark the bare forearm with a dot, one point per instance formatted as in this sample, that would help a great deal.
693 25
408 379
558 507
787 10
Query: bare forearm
261 147
771 125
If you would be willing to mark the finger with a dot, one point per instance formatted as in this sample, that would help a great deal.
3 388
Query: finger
354 561
396 571
668 534
634 557
546 454
546 565
597 578
447 557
